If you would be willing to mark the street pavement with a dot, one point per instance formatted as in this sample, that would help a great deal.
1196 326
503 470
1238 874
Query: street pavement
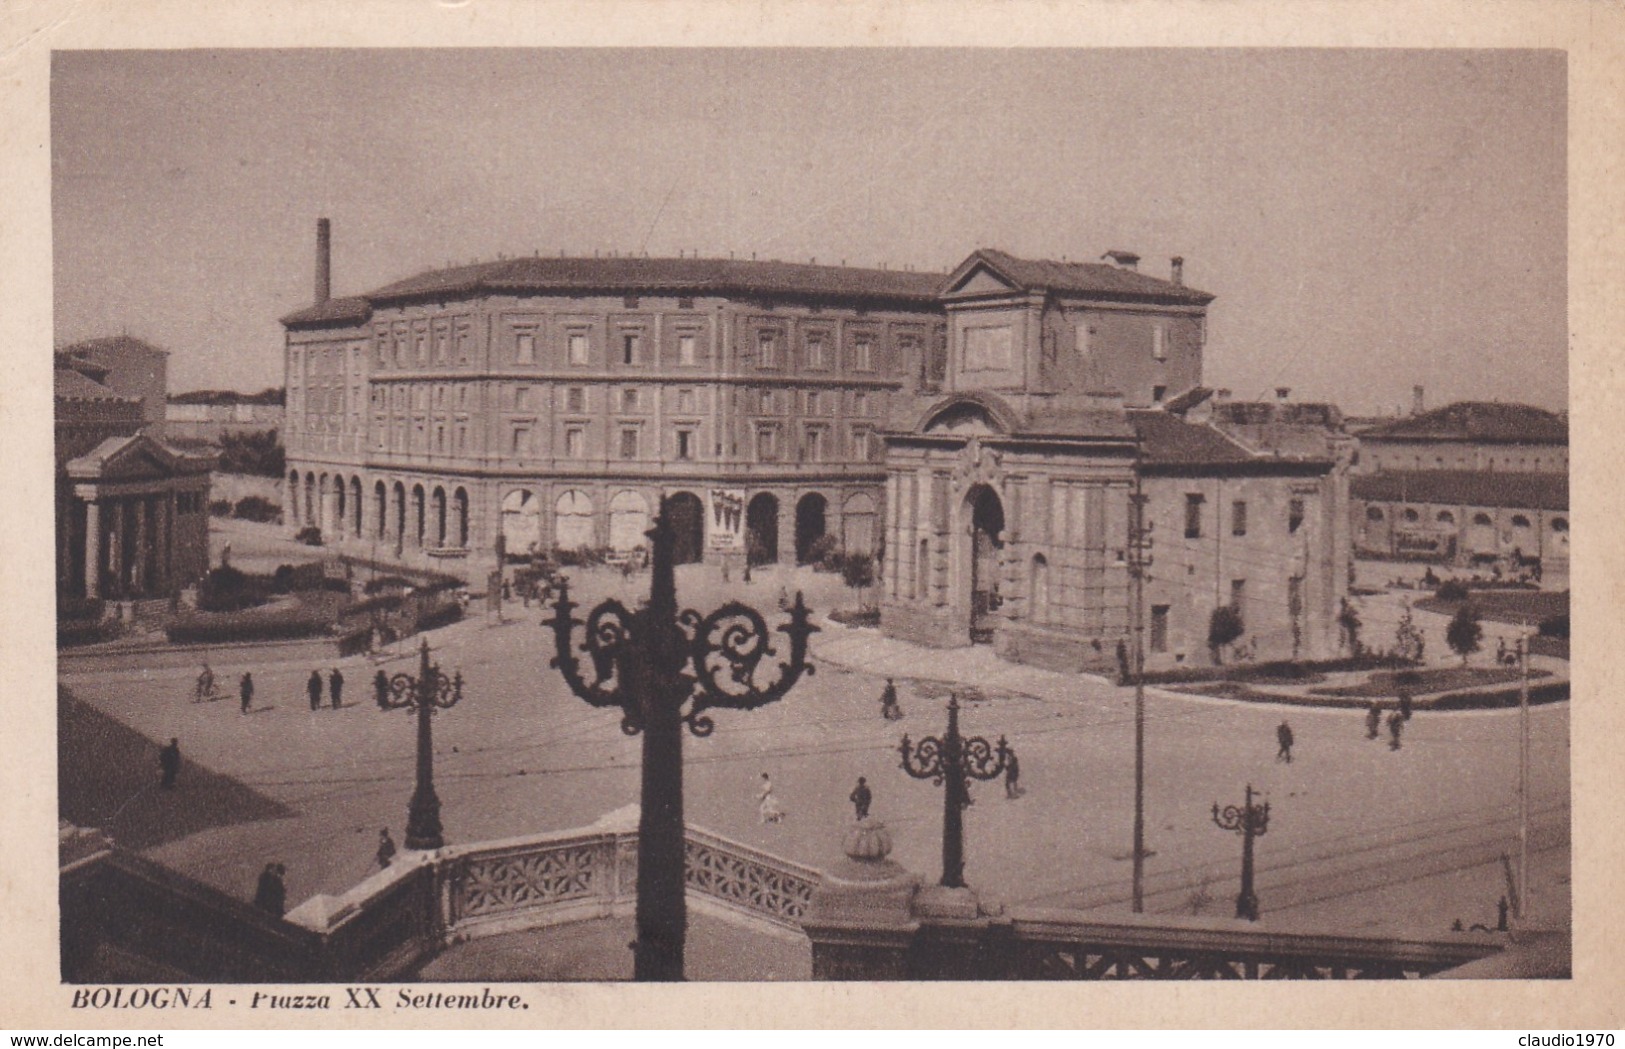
1361 838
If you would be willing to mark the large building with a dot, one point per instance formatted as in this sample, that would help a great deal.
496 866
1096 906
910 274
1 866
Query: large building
131 512
554 401
1008 498
981 431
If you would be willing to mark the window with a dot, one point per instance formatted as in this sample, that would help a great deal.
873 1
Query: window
521 398
1294 516
685 348
815 351
1373 513
575 442
578 347
629 443
630 302
862 445
520 444
1080 340
814 446
860 403
685 303
685 444
1238 597
863 352
767 444
1446 517
575 399
767 402
1159 341
685 401
1411 516
767 350
987 347
629 347
421 342
629 399
1159 628
525 351
1193 516
439 437
1158 393
1238 517
812 402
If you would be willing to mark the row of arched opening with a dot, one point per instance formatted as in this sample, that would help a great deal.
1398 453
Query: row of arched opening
422 515
574 515
1481 535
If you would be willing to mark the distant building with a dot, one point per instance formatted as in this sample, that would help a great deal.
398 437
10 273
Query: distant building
208 421
132 368
1473 482
131 513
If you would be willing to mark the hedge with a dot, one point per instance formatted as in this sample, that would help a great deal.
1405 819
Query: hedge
228 627
85 632
445 615
86 608
1279 670
1556 692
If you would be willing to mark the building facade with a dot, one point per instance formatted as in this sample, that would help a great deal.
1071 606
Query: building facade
1070 388
132 368
553 402
131 513
1477 436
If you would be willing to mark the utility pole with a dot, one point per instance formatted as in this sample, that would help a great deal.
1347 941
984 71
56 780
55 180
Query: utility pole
1139 565
1522 898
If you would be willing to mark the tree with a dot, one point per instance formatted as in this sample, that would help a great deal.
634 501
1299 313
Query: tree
1348 620
1223 627
1408 642
1464 632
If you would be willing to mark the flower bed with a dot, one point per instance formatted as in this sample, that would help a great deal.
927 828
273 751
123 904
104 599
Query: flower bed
270 624
1434 679
1285 671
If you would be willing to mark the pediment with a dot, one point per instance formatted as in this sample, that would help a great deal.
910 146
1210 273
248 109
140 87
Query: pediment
137 458
981 279
138 465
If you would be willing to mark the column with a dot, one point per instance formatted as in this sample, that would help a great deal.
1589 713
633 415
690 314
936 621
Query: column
93 548
138 559
165 533
115 549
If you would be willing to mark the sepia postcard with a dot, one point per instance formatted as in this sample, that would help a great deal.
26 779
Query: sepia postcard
889 515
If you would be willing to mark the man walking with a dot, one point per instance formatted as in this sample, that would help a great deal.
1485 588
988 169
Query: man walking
169 764
861 797
314 688
271 895
889 709
1283 736
380 689
335 686
1373 720
1012 777
1404 704
245 689
1395 723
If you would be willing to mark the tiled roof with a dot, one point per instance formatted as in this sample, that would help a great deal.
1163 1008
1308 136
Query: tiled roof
351 310
1530 491
73 385
1086 278
693 276
1168 440
1489 421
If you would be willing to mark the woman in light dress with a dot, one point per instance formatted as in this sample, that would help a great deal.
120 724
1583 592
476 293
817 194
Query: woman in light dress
768 804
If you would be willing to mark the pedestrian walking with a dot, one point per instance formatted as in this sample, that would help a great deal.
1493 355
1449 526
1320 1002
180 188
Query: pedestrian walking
205 684
861 797
1373 720
271 895
386 848
1283 736
380 689
335 686
1404 704
169 764
784 599
1122 662
1395 724
768 805
314 688
1012 776
245 689
889 710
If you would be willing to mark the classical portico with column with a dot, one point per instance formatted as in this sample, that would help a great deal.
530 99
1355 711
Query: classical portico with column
133 520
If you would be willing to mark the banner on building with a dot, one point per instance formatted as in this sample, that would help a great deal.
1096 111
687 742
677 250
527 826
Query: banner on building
727 525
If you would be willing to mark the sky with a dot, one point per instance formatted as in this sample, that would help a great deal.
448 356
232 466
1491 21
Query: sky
1368 220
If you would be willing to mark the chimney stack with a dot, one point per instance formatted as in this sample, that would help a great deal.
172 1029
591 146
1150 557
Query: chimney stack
1178 267
1418 400
1282 393
324 261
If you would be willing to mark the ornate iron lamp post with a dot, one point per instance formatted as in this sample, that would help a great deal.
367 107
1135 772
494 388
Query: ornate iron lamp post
651 663
1250 821
429 691
953 760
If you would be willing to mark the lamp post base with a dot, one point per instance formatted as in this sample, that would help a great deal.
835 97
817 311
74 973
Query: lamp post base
423 830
